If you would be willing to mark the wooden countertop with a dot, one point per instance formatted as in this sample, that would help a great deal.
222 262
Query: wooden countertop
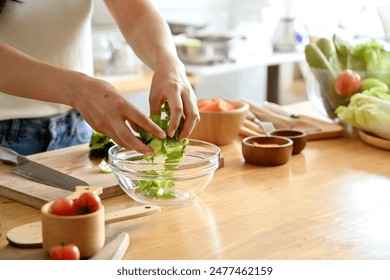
332 201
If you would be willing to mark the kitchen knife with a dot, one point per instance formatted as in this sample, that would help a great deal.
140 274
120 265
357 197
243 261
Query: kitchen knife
38 172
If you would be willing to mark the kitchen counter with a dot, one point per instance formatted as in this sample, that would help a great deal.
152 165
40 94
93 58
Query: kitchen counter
332 201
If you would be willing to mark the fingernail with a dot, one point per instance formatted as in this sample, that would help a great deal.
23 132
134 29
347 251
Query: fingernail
162 135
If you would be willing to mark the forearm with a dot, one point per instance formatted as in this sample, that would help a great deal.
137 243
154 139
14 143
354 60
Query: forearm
100 104
146 32
24 76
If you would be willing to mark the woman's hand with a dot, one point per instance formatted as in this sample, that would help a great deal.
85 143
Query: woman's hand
172 84
109 111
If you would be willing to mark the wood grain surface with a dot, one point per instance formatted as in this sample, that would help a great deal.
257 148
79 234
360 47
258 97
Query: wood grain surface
72 161
112 250
331 201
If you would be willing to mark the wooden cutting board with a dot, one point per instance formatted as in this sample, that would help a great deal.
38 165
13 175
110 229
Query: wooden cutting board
73 161
110 251
316 129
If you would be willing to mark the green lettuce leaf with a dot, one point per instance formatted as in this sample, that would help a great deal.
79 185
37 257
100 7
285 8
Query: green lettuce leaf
368 111
168 148
373 54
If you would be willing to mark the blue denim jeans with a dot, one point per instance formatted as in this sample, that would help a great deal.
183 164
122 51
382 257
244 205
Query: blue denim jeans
35 135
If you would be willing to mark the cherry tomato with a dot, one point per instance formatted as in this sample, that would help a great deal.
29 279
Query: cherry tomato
64 252
88 202
75 205
347 83
63 206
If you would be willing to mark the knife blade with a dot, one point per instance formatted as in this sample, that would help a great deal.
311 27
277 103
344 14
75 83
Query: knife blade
38 172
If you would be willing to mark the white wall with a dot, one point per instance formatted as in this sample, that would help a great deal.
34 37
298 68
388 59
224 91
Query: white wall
257 20
221 16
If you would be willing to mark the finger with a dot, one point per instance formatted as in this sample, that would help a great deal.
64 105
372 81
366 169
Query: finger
155 106
176 113
192 116
137 118
123 137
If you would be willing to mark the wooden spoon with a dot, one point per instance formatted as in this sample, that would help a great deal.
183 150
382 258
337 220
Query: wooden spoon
30 235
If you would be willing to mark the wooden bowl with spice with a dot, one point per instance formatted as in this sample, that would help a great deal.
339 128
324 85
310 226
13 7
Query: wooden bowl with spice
267 150
299 138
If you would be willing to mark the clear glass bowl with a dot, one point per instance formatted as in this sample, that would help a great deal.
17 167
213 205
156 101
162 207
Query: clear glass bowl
321 93
185 180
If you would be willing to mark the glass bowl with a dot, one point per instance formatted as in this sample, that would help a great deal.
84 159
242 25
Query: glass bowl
163 183
321 93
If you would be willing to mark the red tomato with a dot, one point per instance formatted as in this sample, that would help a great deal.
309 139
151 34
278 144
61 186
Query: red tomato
63 206
64 252
75 205
88 202
347 83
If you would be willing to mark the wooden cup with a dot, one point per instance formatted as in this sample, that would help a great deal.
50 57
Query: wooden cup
86 231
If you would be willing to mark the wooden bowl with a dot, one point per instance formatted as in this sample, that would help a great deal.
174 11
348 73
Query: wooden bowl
298 137
267 150
221 128
86 231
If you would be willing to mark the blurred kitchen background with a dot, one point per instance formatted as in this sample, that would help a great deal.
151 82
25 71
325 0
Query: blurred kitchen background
251 49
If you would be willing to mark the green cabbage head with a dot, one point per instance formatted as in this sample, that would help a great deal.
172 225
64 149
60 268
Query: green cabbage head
368 111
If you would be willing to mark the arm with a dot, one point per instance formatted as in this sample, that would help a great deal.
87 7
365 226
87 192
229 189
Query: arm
150 38
24 76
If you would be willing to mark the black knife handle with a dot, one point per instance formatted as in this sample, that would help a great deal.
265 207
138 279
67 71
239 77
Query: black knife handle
8 156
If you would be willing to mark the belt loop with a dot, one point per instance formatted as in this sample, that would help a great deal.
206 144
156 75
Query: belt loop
74 121
14 130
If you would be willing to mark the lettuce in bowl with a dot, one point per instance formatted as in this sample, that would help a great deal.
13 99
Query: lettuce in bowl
368 111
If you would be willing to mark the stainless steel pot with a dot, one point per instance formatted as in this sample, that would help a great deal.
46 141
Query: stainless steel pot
189 29
209 49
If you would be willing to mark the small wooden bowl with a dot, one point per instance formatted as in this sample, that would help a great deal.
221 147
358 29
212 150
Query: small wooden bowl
221 128
298 137
267 150
86 231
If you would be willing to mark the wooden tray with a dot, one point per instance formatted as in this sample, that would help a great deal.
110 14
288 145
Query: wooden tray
374 140
326 129
316 129
73 161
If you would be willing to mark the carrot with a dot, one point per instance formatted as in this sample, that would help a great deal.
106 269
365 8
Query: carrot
204 103
216 105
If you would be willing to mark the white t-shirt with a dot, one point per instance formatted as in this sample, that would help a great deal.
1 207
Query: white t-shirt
55 31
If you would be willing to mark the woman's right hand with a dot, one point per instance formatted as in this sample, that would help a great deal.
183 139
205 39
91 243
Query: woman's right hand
107 111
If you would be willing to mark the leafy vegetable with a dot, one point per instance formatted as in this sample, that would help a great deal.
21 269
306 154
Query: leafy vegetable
368 111
104 166
99 145
374 55
169 148
368 58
